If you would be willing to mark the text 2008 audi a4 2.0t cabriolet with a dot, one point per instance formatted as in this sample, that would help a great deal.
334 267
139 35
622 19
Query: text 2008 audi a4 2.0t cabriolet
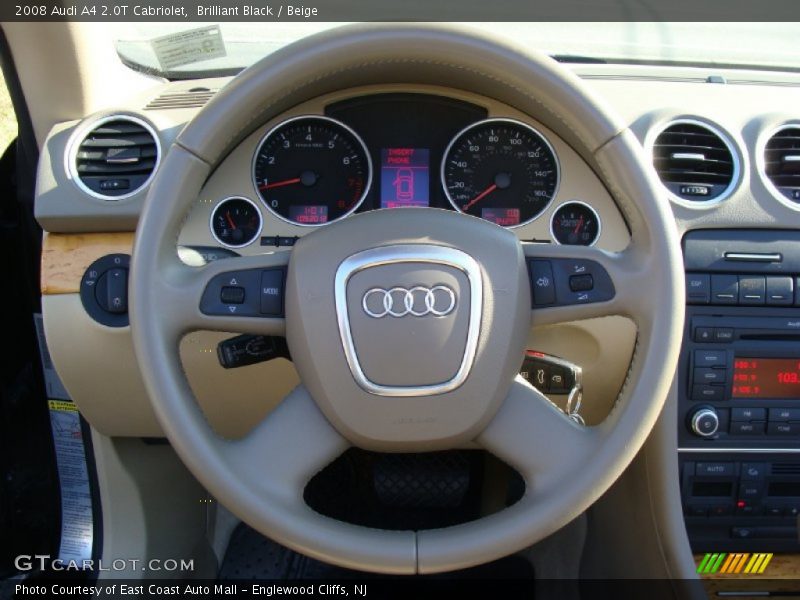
395 304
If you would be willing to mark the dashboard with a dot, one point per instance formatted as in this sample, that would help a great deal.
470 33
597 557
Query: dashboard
725 144
366 150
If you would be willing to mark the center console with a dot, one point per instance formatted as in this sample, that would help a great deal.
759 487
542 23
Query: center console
739 391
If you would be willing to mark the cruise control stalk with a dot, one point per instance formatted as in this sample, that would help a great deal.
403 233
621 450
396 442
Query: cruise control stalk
247 349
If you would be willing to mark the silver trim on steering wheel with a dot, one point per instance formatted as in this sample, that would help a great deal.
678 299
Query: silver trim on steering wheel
410 253
409 299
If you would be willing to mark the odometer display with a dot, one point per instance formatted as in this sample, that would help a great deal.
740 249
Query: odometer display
312 170
501 170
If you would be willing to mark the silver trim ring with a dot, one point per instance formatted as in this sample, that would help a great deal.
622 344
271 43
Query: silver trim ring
591 208
312 117
219 205
505 121
409 299
761 146
78 136
738 157
410 253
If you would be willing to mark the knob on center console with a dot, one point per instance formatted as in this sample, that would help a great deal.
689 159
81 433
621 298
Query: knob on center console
704 422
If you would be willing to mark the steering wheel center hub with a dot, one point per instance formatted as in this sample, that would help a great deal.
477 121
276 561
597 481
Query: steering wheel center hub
409 318
408 349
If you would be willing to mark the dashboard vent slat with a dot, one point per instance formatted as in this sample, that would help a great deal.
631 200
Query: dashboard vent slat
189 99
96 140
782 162
116 158
786 468
694 162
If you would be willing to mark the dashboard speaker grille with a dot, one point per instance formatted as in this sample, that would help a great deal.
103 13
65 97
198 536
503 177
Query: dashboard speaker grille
694 162
782 162
117 157
194 98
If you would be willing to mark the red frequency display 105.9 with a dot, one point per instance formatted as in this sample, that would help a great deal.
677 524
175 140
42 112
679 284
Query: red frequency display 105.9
766 377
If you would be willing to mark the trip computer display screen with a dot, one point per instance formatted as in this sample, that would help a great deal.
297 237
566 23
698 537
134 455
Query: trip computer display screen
507 217
406 136
773 378
308 215
405 177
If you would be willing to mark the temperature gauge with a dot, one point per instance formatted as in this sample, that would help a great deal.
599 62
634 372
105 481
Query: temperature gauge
575 224
236 222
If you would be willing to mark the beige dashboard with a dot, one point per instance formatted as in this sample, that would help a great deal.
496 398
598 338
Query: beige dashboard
233 177
97 363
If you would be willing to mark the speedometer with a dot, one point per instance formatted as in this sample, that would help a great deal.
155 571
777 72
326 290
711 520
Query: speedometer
501 170
312 170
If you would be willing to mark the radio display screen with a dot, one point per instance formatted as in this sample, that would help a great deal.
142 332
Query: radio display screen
773 378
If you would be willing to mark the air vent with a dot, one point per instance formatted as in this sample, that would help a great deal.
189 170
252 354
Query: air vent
116 158
782 162
695 162
194 98
786 468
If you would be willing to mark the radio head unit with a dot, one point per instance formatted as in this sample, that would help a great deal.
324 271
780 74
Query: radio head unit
739 391
740 367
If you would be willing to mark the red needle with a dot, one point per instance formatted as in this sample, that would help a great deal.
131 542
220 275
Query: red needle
279 183
481 196
230 221
578 227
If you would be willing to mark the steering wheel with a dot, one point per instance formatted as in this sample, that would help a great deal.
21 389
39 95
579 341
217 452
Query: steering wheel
416 382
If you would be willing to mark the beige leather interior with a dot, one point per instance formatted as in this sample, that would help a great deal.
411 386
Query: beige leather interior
93 359
159 282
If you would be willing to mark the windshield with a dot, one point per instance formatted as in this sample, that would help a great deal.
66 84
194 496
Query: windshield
234 46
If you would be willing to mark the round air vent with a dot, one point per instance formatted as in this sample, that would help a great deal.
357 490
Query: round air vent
782 162
115 157
695 161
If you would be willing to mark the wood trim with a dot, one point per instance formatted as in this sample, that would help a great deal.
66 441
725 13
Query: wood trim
66 256
782 566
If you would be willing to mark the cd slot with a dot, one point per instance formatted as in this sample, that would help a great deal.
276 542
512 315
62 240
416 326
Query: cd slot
770 336
746 328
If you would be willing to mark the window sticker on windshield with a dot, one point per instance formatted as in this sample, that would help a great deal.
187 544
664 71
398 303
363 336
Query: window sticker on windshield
189 46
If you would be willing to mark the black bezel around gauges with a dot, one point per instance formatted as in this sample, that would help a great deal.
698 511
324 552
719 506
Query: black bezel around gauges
236 222
311 170
501 170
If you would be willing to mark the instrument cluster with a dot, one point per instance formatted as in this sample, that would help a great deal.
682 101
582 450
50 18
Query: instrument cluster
399 151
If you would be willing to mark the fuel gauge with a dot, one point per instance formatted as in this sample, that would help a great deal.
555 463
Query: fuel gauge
575 224
236 222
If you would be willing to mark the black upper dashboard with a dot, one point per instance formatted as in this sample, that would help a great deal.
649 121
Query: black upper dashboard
411 121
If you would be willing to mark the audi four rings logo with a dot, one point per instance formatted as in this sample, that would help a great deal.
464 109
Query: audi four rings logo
418 301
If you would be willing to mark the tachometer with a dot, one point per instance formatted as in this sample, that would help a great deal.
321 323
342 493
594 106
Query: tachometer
501 170
312 170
